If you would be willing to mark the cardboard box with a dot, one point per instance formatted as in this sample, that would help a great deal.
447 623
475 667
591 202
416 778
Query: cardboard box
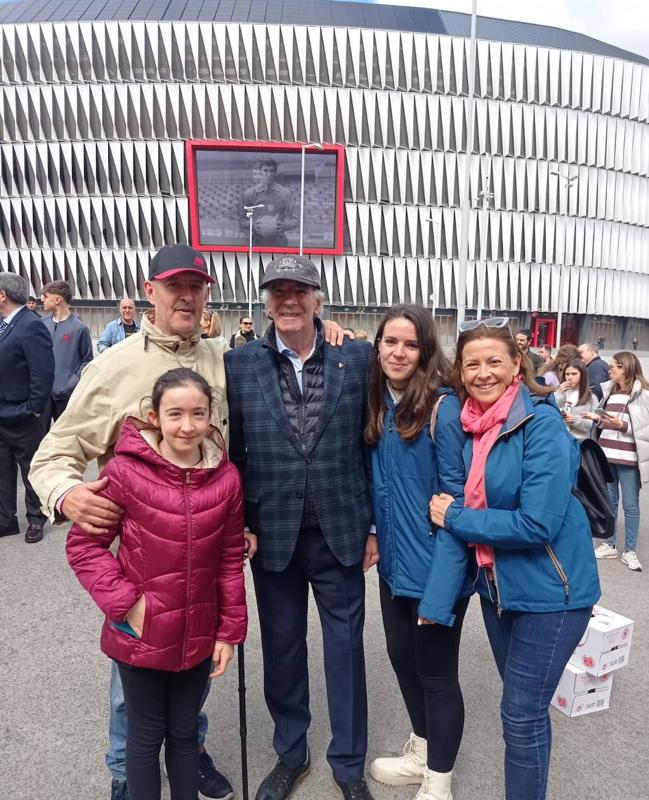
606 644
580 693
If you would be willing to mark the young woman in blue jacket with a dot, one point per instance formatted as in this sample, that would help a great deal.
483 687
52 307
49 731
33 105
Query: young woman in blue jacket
408 377
530 537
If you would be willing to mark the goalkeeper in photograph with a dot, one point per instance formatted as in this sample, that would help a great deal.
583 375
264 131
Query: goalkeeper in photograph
270 223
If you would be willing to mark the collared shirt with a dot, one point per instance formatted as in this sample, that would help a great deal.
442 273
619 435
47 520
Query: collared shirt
9 317
293 357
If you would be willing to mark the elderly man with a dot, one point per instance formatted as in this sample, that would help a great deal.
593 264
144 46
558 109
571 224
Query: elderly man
296 433
598 370
121 328
26 377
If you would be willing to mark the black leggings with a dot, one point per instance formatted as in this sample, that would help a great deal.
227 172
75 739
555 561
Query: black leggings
425 660
162 706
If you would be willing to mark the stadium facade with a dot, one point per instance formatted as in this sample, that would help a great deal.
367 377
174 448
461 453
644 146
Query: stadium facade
98 98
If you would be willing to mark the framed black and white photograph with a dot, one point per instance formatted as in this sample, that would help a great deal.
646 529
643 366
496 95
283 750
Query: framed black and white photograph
286 200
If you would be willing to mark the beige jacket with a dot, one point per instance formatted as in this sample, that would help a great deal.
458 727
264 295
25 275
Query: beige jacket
111 388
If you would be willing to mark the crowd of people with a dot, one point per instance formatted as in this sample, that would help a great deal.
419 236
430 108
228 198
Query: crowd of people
315 456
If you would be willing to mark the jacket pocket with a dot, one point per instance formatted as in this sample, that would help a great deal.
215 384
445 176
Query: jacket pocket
146 625
560 572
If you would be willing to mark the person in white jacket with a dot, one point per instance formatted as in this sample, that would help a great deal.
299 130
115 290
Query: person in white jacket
624 421
574 396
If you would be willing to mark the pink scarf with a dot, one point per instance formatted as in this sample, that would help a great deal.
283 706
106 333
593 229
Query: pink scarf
485 427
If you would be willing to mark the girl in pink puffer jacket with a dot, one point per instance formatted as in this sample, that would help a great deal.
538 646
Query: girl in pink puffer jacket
174 596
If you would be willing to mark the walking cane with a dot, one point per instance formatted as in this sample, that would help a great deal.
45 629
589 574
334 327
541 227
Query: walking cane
243 728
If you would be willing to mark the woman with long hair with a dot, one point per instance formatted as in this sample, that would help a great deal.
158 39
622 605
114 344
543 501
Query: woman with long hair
417 441
574 397
553 372
530 536
623 420
210 324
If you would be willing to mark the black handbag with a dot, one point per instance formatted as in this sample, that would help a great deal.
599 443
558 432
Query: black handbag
591 489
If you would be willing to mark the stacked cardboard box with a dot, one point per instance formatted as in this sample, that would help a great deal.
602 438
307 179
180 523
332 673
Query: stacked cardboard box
585 685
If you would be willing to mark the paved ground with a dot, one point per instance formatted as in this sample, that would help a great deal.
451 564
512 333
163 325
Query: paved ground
54 695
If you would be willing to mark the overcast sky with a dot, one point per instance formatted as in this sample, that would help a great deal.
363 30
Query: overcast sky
624 23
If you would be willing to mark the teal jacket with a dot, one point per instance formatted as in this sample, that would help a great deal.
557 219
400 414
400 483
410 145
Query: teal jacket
405 474
543 550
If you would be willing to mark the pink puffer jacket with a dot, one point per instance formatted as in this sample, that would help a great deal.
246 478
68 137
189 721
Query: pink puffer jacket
181 546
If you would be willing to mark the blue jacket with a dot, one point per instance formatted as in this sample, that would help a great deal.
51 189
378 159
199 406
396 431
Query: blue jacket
543 549
113 333
405 475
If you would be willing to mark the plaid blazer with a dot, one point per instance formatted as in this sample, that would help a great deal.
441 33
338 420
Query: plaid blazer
273 461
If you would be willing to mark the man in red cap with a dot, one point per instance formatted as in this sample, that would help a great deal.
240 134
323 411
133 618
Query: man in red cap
112 388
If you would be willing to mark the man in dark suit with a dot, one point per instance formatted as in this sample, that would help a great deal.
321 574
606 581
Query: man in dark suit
26 377
298 412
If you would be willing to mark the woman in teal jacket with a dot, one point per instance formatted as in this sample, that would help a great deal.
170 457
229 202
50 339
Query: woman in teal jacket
409 466
537 576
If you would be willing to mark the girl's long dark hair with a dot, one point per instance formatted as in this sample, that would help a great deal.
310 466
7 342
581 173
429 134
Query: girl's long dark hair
584 388
433 370
179 376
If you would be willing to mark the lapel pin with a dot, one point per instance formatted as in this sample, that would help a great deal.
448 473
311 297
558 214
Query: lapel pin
340 365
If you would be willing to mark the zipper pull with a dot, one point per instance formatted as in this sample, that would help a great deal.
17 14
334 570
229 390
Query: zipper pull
188 477
566 592
499 610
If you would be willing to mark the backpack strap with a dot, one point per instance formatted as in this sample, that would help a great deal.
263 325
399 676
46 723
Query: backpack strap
433 416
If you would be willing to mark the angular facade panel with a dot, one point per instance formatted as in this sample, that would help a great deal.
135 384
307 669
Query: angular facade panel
94 115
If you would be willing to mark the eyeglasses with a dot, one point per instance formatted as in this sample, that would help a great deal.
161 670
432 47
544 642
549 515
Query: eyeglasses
246 323
488 322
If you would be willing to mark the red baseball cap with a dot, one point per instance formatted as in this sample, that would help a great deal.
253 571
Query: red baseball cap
174 258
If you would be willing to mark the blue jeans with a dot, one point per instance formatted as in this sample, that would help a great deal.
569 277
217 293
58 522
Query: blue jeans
116 755
629 480
531 651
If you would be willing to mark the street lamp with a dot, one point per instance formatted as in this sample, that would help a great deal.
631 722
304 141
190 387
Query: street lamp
569 182
250 212
435 223
466 200
304 147
486 196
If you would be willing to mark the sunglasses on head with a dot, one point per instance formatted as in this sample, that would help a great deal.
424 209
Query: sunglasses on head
488 322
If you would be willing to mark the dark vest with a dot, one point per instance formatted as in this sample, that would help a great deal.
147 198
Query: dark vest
303 408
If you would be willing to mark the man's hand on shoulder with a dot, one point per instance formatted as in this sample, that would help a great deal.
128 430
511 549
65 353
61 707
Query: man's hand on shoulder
333 333
93 513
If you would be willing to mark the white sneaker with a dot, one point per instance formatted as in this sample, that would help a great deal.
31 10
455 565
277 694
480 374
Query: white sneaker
605 550
631 560
435 786
405 769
